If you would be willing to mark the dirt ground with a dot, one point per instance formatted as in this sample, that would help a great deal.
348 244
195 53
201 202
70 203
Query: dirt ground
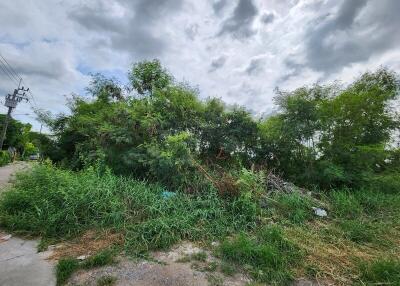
163 269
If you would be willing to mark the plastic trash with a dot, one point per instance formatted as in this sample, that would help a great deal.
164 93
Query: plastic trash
320 212
167 195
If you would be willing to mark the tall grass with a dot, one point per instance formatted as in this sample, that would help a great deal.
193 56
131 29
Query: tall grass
269 256
56 203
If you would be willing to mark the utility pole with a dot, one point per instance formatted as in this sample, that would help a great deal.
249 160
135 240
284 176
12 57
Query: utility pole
11 102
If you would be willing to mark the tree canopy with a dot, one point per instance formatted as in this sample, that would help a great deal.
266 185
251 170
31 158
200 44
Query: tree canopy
161 130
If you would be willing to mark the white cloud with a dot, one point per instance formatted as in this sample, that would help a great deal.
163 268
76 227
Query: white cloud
54 44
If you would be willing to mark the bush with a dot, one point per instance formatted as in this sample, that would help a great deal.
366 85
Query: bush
269 255
4 158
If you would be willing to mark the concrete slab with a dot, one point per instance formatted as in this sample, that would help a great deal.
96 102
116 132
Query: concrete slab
20 264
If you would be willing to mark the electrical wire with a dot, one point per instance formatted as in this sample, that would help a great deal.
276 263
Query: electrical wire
15 74
3 67
9 70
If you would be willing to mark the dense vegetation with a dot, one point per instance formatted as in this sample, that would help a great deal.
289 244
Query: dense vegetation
25 141
328 136
157 164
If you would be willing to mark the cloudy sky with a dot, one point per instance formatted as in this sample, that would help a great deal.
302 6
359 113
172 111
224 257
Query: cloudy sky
238 50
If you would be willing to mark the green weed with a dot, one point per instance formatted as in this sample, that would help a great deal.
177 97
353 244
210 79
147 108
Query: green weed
65 268
269 256
101 258
361 231
380 272
345 204
106 281
294 207
227 269
58 203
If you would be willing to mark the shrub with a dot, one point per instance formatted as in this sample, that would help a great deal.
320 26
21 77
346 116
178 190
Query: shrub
4 158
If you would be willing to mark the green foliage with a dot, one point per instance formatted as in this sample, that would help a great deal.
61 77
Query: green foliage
269 255
382 271
65 268
19 136
4 158
147 76
329 136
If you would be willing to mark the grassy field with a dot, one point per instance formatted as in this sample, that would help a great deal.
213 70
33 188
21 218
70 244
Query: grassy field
274 238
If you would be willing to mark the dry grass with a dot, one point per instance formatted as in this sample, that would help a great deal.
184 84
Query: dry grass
335 260
89 243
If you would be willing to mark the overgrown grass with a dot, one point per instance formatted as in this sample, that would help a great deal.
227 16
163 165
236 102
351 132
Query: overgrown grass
382 271
67 266
295 208
268 254
54 203
273 241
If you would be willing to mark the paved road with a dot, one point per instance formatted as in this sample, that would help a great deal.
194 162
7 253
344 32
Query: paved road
20 264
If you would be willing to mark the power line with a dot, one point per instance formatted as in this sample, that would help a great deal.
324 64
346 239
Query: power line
3 67
15 75
11 68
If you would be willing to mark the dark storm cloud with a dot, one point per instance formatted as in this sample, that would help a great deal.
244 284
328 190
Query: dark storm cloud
267 18
358 30
136 32
255 66
217 63
95 18
218 6
239 24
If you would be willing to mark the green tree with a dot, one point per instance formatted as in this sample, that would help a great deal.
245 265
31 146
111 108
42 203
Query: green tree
147 76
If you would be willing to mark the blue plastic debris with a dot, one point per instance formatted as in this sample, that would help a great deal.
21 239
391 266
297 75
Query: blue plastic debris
167 195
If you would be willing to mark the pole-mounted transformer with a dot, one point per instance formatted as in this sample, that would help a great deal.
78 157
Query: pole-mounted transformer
11 102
